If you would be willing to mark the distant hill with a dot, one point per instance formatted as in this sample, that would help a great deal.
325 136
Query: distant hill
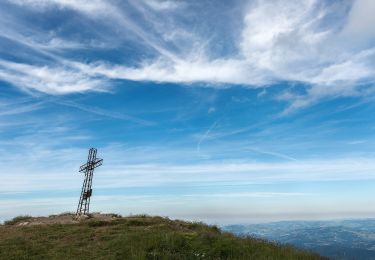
110 236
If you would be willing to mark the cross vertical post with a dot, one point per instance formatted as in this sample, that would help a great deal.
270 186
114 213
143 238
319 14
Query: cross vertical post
86 192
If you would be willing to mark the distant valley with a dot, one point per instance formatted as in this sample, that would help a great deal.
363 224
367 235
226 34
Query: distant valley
346 239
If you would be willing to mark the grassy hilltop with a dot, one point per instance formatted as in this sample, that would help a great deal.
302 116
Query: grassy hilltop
109 236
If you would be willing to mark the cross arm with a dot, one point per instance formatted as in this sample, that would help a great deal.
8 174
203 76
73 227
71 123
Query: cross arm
91 165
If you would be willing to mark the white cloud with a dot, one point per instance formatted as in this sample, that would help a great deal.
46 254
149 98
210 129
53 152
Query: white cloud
290 40
361 19
162 5
217 72
47 79
327 46
88 6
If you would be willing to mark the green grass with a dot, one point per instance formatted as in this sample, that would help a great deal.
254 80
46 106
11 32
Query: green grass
136 237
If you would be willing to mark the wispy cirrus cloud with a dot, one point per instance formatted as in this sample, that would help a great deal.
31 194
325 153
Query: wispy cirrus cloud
20 109
162 5
47 79
162 188
327 47
149 166
81 5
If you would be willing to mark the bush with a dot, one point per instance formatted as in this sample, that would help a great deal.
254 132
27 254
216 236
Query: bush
140 216
215 229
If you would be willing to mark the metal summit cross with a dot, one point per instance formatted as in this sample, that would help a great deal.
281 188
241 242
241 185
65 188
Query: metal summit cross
88 169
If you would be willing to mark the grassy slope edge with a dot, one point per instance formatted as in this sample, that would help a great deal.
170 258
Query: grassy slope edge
135 237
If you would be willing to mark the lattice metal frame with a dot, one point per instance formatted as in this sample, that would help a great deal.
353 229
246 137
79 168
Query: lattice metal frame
88 168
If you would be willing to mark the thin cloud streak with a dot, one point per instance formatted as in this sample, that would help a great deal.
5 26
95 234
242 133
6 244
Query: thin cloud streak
148 175
278 155
206 134
106 113
19 107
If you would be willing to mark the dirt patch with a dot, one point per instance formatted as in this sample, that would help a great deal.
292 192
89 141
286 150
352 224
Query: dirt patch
66 219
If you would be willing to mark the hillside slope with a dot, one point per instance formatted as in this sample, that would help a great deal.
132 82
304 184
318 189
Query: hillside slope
136 237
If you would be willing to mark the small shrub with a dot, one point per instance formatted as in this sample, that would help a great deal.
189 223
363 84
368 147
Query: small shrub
215 229
140 216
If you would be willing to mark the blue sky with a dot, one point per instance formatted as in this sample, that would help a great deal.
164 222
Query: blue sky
221 111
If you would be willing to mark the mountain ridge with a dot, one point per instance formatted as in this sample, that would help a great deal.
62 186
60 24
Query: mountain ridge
111 236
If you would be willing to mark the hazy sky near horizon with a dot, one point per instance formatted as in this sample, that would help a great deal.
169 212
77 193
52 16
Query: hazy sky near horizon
221 111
